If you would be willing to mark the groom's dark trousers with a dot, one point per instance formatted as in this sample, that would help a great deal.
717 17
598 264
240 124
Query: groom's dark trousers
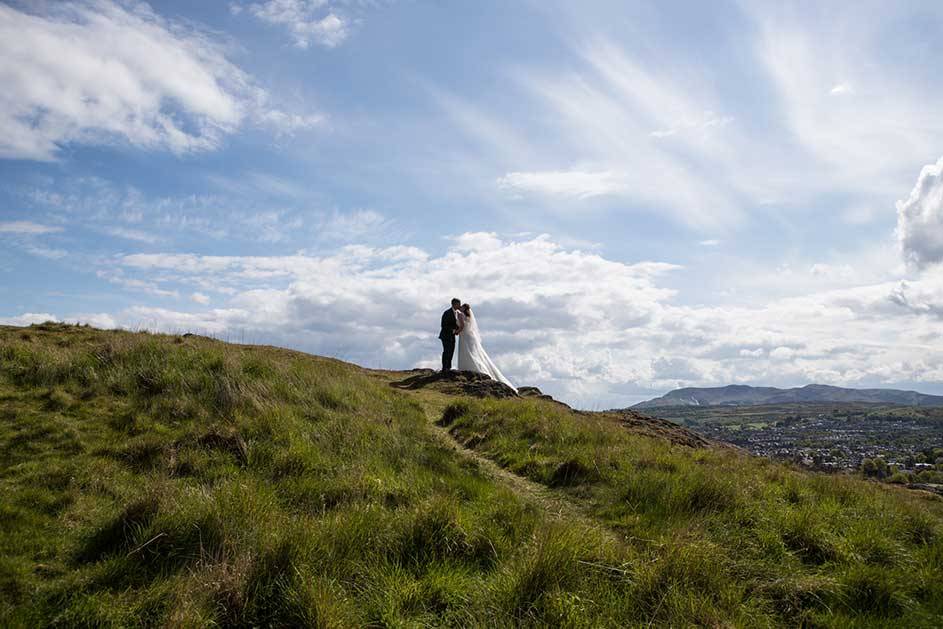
448 350
447 335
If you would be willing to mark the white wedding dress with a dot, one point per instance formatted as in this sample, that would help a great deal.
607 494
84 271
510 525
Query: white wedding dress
472 355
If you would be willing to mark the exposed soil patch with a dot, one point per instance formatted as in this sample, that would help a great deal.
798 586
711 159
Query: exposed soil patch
572 472
228 441
537 393
663 428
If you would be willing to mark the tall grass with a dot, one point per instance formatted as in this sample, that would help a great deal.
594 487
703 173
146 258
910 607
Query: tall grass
729 535
165 480
158 480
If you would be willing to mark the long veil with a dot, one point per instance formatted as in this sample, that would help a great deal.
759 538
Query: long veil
471 329
472 354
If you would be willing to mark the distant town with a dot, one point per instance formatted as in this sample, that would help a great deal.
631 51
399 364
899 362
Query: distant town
896 444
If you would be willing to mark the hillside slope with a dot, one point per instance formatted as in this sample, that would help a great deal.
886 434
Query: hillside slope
744 395
167 480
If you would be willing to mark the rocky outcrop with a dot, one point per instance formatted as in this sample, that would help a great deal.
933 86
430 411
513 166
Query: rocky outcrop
456 383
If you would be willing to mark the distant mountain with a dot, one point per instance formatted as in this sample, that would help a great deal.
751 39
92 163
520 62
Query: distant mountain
743 395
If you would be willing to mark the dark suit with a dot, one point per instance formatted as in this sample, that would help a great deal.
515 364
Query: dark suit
447 335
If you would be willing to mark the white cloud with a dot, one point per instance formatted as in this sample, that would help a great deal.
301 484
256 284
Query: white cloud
92 71
841 88
920 218
26 227
919 298
285 123
28 318
100 320
99 71
709 243
200 298
309 21
365 300
477 241
588 329
568 183
703 122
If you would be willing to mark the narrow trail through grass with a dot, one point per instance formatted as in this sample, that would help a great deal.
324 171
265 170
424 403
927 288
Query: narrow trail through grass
553 502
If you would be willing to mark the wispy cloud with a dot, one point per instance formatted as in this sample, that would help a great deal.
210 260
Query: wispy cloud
567 183
308 21
117 277
353 226
126 212
50 253
271 225
27 227
636 135
857 112
132 234
703 122
841 88
32 238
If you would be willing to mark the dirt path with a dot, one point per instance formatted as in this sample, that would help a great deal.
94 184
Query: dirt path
553 502
548 499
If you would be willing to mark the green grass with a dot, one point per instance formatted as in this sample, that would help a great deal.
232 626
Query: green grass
731 537
154 480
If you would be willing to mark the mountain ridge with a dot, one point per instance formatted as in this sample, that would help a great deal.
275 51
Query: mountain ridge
746 395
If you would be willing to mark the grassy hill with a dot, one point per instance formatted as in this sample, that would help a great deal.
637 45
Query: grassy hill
180 481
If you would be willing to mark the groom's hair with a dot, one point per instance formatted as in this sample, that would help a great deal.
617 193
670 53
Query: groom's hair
456 302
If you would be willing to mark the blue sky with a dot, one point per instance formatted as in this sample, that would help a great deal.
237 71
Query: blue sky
634 196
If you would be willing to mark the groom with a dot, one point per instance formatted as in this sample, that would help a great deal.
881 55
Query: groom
450 328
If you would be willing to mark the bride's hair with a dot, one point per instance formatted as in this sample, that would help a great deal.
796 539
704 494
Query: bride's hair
466 309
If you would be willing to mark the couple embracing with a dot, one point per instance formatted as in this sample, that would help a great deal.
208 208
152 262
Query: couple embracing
458 322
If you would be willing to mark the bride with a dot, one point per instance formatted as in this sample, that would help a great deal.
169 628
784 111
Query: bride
471 355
